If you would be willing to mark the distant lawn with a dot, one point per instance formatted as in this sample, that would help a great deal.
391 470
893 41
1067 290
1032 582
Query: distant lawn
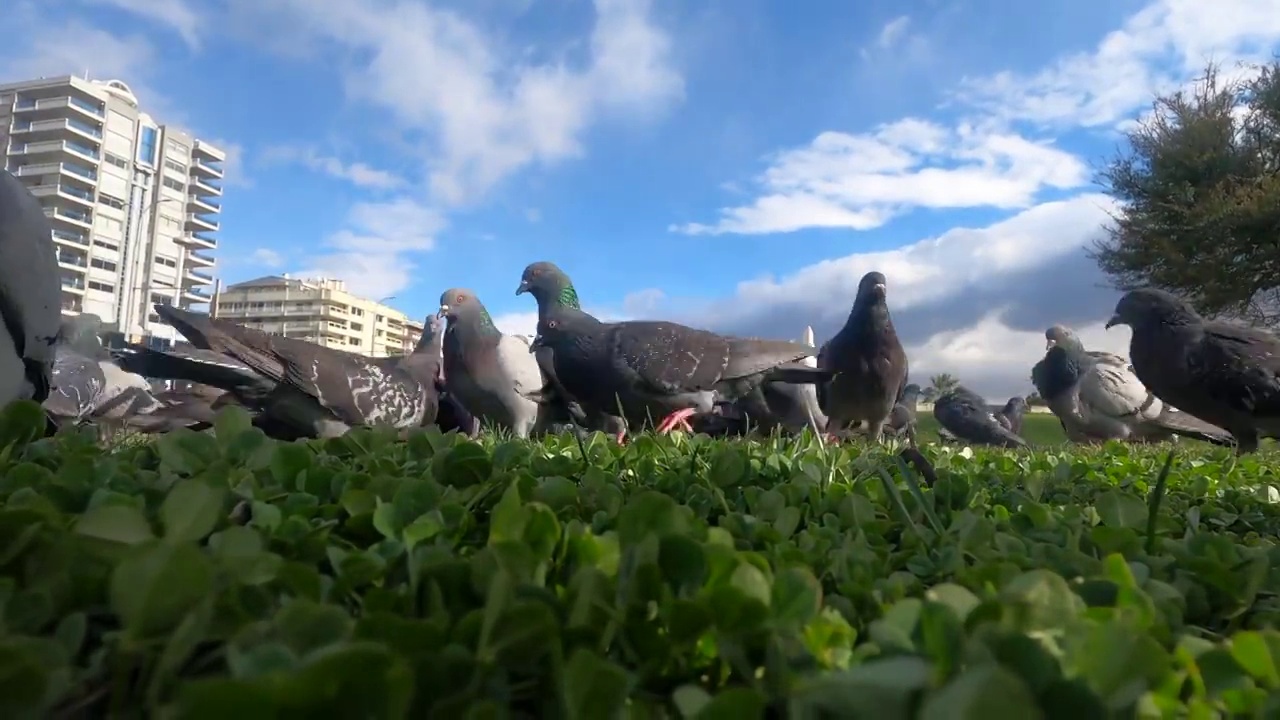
1037 429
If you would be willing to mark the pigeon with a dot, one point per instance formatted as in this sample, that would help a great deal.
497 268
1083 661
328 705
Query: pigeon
78 379
1011 415
1222 373
30 295
201 366
1097 397
869 363
902 420
653 369
320 391
966 416
790 407
491 374
551 287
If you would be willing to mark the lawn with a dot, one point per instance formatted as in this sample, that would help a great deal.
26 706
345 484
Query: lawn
214 575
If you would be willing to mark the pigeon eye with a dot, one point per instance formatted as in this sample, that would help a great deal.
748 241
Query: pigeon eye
552 324
458 300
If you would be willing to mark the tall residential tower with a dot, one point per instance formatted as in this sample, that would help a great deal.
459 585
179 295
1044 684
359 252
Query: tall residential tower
134 204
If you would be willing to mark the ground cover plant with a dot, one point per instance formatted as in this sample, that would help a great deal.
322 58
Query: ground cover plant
227 575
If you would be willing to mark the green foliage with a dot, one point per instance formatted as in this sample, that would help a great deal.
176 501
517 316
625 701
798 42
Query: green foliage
228 575
1199 187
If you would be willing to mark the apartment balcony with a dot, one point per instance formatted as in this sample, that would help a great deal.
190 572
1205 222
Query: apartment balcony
196 296
72 305
200 261
197 277
76 218
205 168
70 193
69 260
72 283
194 240
73 239
53 151
200 186
205 151
199 205
196 223
57 107
60 129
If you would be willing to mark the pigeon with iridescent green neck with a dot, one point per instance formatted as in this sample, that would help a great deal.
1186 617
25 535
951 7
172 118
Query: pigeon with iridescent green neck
552 288
493 375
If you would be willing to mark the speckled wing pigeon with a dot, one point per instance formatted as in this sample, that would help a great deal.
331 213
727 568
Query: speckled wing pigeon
1097 397
30 295
869 363
966 416
788 407
1012 414
493 375
654 368
1222 373
551 287
320 391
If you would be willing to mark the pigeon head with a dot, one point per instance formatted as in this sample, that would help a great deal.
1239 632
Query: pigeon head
550 331
432 330
1016 404
1061 335
872 286
548 284
459 304
911 392
1146 306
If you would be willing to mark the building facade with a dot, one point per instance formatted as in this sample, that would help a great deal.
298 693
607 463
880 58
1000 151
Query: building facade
319 310
134 204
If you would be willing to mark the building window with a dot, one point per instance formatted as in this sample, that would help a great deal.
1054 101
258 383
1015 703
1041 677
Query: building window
109 224
101 286
106 245
166 262
103 264
178 149
357 326
109 201
161 299
176 166
116 160
147 145
174 184
353 341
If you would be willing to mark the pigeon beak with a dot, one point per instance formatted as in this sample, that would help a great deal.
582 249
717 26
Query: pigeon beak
879 287
1048 345
537 343
1115 320
524 287
444 310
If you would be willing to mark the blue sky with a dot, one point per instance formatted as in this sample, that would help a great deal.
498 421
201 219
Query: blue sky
736 166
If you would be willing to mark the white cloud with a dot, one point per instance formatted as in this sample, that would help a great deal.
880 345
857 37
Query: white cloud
1163 45
39 47
266 257
862 181
893 31
356 173
177 15
371 254
994 359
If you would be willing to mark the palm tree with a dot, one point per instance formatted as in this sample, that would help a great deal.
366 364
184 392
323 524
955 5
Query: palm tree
941 384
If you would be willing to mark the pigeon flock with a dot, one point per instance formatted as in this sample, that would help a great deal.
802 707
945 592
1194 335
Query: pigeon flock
1187 376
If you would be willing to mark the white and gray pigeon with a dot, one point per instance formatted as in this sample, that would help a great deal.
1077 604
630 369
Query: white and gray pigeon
869 363
492 375
1097 397
320 392
1220 372
78 380
30 295
657 369
967 417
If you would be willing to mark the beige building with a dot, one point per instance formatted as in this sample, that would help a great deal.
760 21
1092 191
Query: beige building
134 204
319 310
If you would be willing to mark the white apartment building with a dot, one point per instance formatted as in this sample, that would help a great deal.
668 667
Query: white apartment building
319 310
134 204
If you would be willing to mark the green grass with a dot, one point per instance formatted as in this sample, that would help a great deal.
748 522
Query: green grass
1037 429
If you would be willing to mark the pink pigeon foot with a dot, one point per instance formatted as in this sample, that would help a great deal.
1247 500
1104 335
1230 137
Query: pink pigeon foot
678 418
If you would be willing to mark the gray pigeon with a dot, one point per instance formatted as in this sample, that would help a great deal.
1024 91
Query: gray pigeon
319 391
1222 373
492 375
1097 397
1012 414
966 416
30 295
655 369
551 287
869 363
902 420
